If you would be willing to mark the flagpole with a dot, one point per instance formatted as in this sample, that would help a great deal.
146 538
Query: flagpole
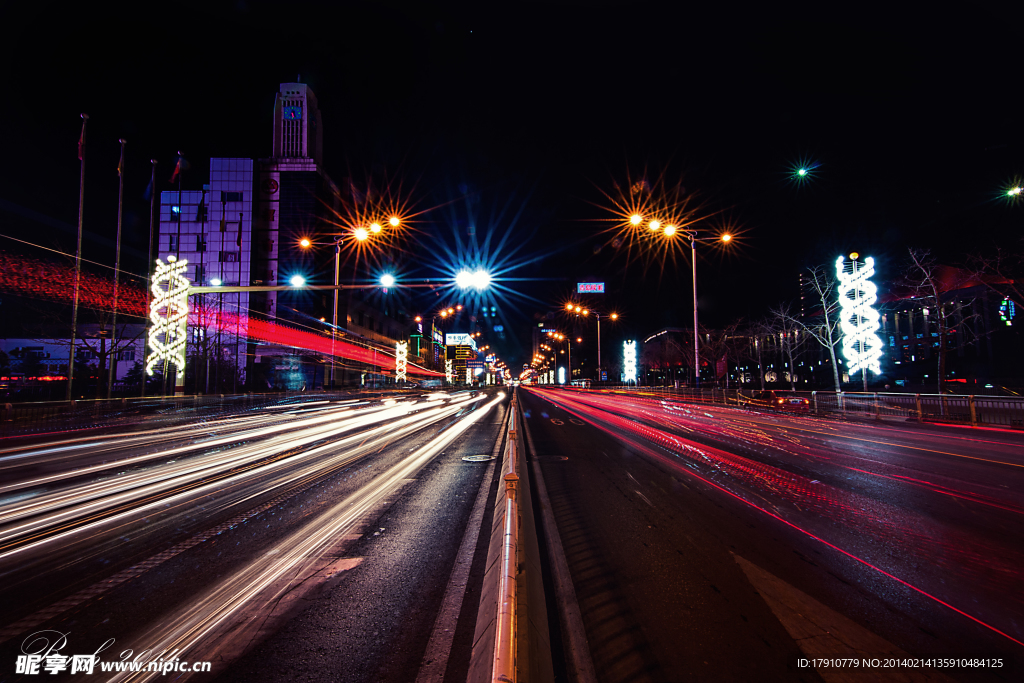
149 255
111 375
179 375
78 256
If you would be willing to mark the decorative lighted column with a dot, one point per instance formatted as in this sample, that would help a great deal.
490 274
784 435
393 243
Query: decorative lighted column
168 315
629 361
401 360
858 319
448 371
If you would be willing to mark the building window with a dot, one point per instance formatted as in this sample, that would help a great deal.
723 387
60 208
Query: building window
231 196
172 242
200 242
201 213
175 214
229 257
200 274
126 355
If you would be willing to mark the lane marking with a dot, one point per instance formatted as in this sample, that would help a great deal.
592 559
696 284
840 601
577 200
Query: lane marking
439 647
821 632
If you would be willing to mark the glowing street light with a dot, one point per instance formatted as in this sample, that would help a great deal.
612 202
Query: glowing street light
726 237
479 279
387 280
361 234
216 282
297 281
655 224
670 230
305 243
375 228
636 219
1014 191
394 221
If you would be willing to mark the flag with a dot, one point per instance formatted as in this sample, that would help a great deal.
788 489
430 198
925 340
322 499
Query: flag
239 241
148 194
182 165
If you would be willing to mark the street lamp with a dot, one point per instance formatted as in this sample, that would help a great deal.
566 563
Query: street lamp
479 279
585 312
692 235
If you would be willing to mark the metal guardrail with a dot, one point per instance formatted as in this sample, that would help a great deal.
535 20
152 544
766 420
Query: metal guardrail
973 410
504 669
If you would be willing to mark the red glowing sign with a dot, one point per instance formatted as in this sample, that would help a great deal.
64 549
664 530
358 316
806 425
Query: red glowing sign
590 288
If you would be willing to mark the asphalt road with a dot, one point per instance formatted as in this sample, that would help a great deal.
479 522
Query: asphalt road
287 542
714 543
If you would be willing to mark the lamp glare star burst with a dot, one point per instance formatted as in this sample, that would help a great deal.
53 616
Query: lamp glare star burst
629 360
859 321
401 360
168 313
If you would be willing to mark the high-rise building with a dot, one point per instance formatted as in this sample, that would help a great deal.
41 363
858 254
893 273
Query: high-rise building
244 228
212 229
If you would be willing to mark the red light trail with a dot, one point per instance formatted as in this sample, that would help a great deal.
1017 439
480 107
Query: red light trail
39 279
882 527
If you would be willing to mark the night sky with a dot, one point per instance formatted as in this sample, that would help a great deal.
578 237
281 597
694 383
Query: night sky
515 121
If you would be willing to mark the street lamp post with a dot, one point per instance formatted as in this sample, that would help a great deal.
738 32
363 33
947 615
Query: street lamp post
692 234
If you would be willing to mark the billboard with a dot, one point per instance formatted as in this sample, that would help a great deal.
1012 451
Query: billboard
460 339
590 288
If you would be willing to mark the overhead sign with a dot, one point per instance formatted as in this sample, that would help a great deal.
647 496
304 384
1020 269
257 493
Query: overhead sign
590 288
460 339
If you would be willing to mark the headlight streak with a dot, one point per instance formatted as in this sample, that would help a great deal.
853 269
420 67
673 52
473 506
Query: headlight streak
197 622
234 438
137 439
973 562
188 474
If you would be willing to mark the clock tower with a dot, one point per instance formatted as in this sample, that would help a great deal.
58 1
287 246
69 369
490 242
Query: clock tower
297 124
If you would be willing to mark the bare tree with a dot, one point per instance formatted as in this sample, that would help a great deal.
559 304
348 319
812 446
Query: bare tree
790 333
927 281
823 326
720 345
